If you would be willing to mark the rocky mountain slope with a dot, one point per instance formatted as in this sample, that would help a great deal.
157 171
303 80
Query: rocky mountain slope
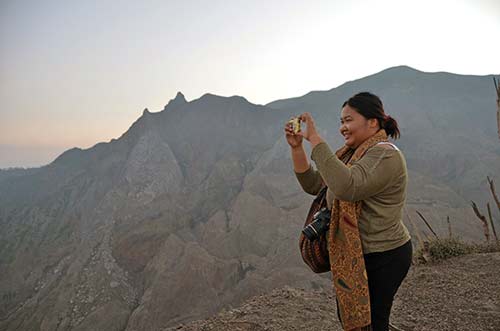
196 206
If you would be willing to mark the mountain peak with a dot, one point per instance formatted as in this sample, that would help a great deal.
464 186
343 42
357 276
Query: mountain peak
210 95
237 98
177 101
401 67
180 96
398 70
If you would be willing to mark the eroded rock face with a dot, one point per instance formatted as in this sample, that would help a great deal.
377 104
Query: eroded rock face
196 207
152 169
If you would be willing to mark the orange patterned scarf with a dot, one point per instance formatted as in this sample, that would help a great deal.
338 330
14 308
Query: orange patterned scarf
345 252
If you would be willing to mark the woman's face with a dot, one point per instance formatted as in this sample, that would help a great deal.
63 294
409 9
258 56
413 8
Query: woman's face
355 128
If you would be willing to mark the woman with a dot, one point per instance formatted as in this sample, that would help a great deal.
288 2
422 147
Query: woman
370 248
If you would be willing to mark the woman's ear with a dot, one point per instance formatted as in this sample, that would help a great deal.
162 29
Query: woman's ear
372 122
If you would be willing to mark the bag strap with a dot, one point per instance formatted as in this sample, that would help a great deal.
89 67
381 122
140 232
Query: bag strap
321 194
389 143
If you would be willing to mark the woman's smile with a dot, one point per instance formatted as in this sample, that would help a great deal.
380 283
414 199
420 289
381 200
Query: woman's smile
354 127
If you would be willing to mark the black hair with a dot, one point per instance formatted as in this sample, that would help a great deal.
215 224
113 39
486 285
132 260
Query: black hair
370 106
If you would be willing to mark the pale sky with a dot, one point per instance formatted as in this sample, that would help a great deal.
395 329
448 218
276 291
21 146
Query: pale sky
75 73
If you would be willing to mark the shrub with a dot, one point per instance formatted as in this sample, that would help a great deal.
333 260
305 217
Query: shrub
441 249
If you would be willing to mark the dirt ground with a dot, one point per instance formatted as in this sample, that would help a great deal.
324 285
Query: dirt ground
461 293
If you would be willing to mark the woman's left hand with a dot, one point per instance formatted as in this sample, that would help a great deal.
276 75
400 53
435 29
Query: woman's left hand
310 133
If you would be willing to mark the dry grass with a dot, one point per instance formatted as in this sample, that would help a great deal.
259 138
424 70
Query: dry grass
441 249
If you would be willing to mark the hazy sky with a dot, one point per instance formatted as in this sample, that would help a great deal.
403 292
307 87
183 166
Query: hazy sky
75 73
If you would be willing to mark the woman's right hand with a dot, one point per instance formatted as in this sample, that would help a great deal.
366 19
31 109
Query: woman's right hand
294 140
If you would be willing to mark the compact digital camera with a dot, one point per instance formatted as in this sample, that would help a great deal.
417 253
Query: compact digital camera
295 122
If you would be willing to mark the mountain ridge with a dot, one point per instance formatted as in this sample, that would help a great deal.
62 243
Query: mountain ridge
197 206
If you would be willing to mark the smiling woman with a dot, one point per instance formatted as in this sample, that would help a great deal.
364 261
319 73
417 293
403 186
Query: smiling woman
369 247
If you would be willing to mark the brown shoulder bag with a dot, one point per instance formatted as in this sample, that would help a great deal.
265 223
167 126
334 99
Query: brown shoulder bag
315 252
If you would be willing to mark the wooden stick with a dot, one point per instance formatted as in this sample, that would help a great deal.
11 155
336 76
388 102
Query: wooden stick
449 226
393 328
492 189
427 223
497 89
483 220
417 232
491 221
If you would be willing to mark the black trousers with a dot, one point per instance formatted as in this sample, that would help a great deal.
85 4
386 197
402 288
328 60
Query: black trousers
386 271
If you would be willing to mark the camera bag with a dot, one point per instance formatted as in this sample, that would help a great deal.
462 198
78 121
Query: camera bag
315 252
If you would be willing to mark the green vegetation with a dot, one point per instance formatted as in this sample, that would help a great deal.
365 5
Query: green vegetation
441 249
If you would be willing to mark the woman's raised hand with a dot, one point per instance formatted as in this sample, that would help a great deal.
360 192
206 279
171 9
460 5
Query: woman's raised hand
308 130
293 139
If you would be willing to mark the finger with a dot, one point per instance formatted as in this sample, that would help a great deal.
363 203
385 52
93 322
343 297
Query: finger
304 117
309 118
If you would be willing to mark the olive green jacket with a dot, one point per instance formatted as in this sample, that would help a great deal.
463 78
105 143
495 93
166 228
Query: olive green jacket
379 178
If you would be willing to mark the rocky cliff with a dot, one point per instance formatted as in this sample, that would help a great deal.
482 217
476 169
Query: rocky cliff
196 207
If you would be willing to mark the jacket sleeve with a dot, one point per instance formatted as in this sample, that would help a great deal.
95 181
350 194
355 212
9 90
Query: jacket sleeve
367 176
310 180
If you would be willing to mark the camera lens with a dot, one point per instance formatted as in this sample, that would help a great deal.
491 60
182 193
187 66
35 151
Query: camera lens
310 232
320 223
